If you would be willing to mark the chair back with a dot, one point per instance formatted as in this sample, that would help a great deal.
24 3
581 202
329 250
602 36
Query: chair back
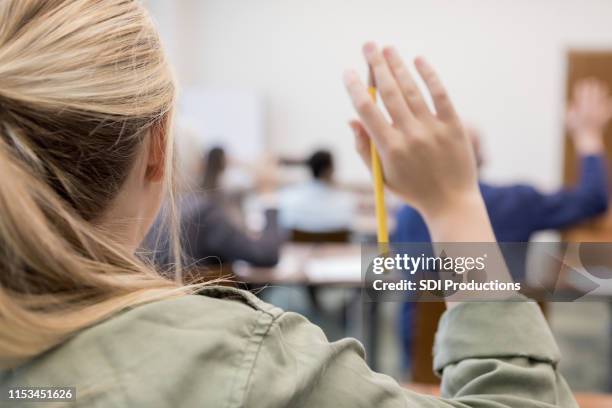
339 236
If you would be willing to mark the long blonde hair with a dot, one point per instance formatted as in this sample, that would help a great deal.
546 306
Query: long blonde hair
82 83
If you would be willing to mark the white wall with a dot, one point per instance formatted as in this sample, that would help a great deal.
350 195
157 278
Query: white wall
503 62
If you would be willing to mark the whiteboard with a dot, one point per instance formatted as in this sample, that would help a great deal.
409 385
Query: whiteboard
233 119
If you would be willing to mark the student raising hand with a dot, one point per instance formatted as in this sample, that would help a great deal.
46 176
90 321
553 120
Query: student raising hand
589 112
426 156
86 160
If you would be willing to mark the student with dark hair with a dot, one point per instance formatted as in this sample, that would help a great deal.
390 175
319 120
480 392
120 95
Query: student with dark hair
209 236
317 205
321 165
215 163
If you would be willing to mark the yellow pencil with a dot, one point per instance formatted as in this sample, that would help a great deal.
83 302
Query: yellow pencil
382 231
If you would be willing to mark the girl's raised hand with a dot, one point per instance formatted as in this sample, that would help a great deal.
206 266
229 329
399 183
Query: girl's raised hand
427 157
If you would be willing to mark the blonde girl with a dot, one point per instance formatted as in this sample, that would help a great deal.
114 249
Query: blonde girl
86 102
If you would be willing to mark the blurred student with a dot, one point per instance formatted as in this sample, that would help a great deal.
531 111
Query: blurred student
317 205
233 182
210 237
85 157
518 211
215 163
215 186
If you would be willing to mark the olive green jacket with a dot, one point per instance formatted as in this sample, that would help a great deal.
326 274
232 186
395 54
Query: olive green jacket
225 348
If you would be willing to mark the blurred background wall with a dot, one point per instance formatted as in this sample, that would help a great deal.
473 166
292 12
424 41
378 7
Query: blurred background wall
503 62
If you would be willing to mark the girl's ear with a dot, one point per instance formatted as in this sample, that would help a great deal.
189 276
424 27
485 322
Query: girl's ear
156 161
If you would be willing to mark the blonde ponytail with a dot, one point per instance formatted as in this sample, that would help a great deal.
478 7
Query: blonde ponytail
82 82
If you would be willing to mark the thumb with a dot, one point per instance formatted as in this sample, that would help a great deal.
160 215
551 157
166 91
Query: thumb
362 141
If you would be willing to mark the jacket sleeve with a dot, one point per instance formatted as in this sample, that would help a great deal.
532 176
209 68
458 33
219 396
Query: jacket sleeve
484 362
588 198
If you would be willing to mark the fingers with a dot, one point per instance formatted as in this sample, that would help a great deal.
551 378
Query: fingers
599 91
581 90
590 94
402 98
362 142
593 91
409 88
442 103
582 93
371 116
388 88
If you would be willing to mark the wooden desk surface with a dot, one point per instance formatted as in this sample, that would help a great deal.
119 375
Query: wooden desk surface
294 261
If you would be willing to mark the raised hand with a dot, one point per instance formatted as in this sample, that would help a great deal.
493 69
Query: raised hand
588 114
426 156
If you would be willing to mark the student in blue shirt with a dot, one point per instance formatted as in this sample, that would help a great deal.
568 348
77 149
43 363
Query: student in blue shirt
518 211
317 205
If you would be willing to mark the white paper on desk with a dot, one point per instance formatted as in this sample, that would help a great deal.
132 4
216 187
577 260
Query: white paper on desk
334 269
287 266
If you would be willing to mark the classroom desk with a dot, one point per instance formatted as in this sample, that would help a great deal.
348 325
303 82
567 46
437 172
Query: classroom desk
295 259
585 400
297 265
